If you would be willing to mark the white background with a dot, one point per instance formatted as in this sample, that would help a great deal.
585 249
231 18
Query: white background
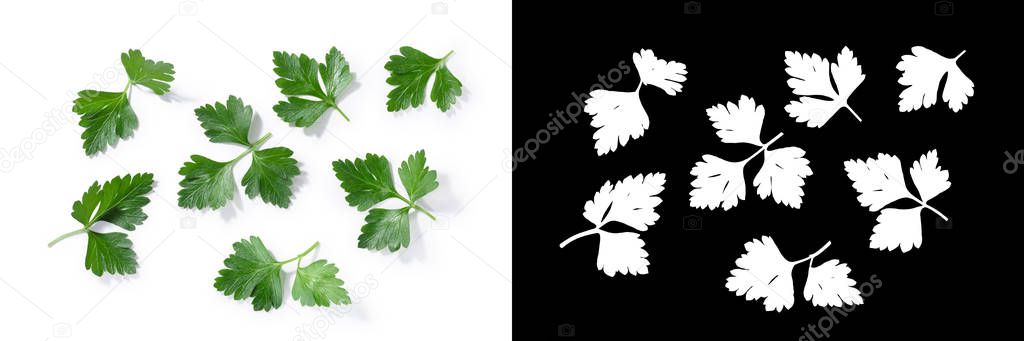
453 282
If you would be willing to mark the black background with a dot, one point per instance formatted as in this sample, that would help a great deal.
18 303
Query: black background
957 283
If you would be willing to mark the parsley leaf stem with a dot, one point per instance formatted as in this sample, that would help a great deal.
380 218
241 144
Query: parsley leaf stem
66 235
127 87
253 147
335 106
299 257
418 208
414 206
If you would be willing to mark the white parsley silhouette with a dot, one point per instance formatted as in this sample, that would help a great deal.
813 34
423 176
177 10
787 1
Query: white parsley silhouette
619 116
810 77
630 201
720 182
880 182
762 272
922 73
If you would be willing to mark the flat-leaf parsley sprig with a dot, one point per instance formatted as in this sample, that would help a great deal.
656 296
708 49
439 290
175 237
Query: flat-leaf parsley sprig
368 183
210 183
298 77
410 73
108 116
252 271
119 202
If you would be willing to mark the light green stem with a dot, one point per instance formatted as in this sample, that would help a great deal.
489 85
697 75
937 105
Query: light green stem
416 207
127 92
66 235
303 254
253 147
335 106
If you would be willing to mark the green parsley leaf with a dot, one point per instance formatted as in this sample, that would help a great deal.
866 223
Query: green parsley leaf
226 123
335 73
108 116
299 111
209 183
154 75
385 228
417 178
119 201
410 73
368 182
252 271
270 176
110 252
299 77
317 284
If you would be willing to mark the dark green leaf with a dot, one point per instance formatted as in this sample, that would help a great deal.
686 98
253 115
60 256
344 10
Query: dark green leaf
119 202
300 111
298 75
385 229
270 176
226 123
446 88
252 272
367 182
110 252
410 73
106 117
207 183
154 75
417 178
335 74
